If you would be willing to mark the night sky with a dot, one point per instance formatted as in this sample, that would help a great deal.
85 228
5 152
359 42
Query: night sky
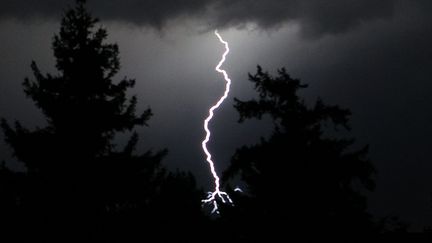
373 57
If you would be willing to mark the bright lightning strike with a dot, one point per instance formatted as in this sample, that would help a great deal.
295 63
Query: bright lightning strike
217 193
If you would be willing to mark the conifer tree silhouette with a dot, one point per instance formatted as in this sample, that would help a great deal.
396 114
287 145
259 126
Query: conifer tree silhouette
302 180
78 185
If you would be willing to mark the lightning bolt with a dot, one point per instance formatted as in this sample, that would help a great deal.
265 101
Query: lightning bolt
217 193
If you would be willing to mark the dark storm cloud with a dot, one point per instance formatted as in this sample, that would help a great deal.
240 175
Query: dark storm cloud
153 13
316 17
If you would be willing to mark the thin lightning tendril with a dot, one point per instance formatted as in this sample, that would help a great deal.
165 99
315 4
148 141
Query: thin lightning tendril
217 193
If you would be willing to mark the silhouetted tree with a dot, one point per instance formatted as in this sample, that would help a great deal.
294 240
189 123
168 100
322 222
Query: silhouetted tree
302 180
83 107
78 185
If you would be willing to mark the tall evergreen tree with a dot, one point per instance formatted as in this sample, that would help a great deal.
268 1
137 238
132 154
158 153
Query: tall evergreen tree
84 108
302 180
79 185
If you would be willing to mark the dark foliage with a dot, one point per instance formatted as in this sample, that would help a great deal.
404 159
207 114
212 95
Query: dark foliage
80 187
302 182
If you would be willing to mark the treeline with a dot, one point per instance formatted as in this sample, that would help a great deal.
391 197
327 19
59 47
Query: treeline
301 185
